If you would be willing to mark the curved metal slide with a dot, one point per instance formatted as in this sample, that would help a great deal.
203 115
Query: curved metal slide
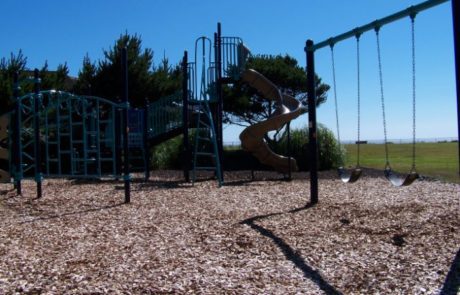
288 108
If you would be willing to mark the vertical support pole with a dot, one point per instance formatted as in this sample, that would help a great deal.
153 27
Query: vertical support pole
186 153
117 149
312 129
17 171
126 176
456 24
220 101
288 127
146 141
37 151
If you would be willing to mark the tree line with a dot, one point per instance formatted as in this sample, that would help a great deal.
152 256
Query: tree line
147 81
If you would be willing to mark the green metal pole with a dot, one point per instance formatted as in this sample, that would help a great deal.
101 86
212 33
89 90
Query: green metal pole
455 8
185 118
312 129
126 176
17 171
37 150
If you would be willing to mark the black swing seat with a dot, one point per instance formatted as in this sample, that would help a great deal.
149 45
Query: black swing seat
401 180
349 175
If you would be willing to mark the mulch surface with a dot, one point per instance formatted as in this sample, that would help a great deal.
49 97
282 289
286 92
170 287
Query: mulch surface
248 237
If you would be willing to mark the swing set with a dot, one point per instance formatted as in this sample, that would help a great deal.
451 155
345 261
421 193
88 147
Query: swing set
353 174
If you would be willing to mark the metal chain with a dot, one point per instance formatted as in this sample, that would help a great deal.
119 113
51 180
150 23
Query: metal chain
359 100
382 98
335 101
412 17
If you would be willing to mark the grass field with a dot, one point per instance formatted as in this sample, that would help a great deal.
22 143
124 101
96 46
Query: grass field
439 160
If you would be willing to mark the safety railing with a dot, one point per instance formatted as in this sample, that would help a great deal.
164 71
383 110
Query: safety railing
165 115
234 56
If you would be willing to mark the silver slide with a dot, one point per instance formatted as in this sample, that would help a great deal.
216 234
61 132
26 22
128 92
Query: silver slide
288 108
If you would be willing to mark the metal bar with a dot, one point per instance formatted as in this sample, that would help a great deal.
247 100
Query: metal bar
114 139
411 10
456 24
117 139
17 137
98 139
86 143
312 129
288 127
124 62
69 124
58 134
220 100
185 117
37 154
146 141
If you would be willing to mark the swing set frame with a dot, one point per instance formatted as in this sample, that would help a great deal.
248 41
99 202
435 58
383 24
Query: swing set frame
310 49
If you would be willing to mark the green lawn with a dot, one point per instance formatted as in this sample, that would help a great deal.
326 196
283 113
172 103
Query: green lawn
439 160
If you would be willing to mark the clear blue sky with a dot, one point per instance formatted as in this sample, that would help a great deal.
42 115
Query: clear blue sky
64 31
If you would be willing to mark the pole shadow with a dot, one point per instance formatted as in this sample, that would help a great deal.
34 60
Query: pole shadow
452 283
289 252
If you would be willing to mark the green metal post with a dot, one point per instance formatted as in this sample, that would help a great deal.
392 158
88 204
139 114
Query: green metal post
37 150
185 118
146 141
455 16
126 176
312 129
17 171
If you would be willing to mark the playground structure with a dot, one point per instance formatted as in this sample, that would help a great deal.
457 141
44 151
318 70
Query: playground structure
311 47
56 134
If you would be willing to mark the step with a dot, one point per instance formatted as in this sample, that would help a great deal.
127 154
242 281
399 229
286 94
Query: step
204 139
206 168
205 124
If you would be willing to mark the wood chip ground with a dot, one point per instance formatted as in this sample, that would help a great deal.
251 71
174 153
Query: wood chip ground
248 237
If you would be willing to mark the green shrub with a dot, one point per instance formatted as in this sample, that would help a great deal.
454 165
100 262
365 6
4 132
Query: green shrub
329 154
168 155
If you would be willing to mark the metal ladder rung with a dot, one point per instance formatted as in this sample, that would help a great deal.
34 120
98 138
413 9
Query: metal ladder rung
205 124
206 168
204 139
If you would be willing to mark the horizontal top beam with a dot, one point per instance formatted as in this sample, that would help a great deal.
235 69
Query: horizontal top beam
411 11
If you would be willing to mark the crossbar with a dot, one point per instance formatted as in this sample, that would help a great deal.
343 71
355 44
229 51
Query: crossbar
411 10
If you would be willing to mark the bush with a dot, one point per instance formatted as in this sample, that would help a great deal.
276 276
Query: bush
168 155
329 154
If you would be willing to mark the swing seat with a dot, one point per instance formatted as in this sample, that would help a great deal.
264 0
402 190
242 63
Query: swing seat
401 180
349 175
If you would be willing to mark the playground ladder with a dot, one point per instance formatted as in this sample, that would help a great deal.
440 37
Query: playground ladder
205 143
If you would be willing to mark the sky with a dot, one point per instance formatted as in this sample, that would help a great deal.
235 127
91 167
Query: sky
60 32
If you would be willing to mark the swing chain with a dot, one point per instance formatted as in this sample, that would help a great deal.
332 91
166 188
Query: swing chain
339 146
412 17
382 98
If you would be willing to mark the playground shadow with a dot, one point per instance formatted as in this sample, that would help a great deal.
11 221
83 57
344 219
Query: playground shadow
289 252
452 283
158 184
74 213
